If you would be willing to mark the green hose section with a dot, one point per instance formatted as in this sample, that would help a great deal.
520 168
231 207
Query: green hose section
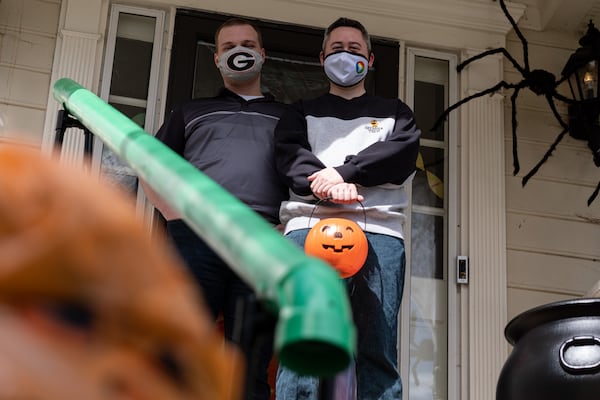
314 334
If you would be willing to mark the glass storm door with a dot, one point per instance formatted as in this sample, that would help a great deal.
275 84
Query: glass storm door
427 321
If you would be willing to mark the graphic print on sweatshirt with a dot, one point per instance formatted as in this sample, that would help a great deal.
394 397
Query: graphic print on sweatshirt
340 138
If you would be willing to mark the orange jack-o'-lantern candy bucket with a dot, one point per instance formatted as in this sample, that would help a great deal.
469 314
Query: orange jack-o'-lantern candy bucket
340 242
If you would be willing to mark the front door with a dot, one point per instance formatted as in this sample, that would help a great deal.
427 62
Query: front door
291 70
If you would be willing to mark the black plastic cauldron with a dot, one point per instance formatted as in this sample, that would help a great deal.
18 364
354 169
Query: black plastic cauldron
556 353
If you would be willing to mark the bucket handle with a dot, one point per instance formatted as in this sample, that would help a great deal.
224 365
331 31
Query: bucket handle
329 198
580 354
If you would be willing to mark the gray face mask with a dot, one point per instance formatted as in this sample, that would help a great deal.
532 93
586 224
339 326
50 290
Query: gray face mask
240 63
346 69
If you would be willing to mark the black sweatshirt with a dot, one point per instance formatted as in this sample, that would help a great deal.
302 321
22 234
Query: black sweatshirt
371 141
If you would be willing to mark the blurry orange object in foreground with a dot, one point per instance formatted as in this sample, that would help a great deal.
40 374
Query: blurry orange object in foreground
340 242
90 306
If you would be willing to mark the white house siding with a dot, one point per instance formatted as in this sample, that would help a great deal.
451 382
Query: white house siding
27 40
553 237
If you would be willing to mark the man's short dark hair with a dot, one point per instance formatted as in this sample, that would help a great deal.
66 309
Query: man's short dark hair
351 23
239 21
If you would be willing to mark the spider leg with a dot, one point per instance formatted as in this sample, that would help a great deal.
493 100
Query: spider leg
555 111
519 34
593 196
535 169
500 85
558 139
562 98
513 102
559 96
561 80
502 50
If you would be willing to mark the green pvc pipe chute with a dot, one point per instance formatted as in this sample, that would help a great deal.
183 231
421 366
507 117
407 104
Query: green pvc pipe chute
314 334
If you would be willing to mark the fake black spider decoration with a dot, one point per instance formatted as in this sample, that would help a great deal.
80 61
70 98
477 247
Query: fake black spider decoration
540 82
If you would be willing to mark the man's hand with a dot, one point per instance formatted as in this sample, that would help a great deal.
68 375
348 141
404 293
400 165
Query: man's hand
344 193
322 181
167 212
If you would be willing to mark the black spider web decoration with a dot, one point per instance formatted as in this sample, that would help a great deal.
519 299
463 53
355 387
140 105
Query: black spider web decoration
539 81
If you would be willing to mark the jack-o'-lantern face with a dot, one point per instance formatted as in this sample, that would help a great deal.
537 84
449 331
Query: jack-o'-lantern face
340 242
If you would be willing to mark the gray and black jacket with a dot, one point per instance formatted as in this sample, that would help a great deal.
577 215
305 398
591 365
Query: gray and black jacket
231 141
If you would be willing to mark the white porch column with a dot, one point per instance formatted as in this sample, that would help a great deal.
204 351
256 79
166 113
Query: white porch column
482 136
77 56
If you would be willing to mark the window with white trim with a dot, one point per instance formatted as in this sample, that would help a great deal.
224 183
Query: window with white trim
130 81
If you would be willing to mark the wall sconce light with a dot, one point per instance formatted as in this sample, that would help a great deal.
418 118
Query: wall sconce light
581 72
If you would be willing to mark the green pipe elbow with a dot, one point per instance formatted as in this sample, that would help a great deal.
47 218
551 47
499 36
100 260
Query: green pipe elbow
314 334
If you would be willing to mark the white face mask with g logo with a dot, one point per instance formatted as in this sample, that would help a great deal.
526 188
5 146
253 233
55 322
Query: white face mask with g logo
346 69
240 63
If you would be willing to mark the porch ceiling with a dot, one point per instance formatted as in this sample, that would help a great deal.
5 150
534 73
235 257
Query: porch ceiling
559 15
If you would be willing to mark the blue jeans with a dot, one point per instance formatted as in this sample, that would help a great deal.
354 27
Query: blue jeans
222 290
375 294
